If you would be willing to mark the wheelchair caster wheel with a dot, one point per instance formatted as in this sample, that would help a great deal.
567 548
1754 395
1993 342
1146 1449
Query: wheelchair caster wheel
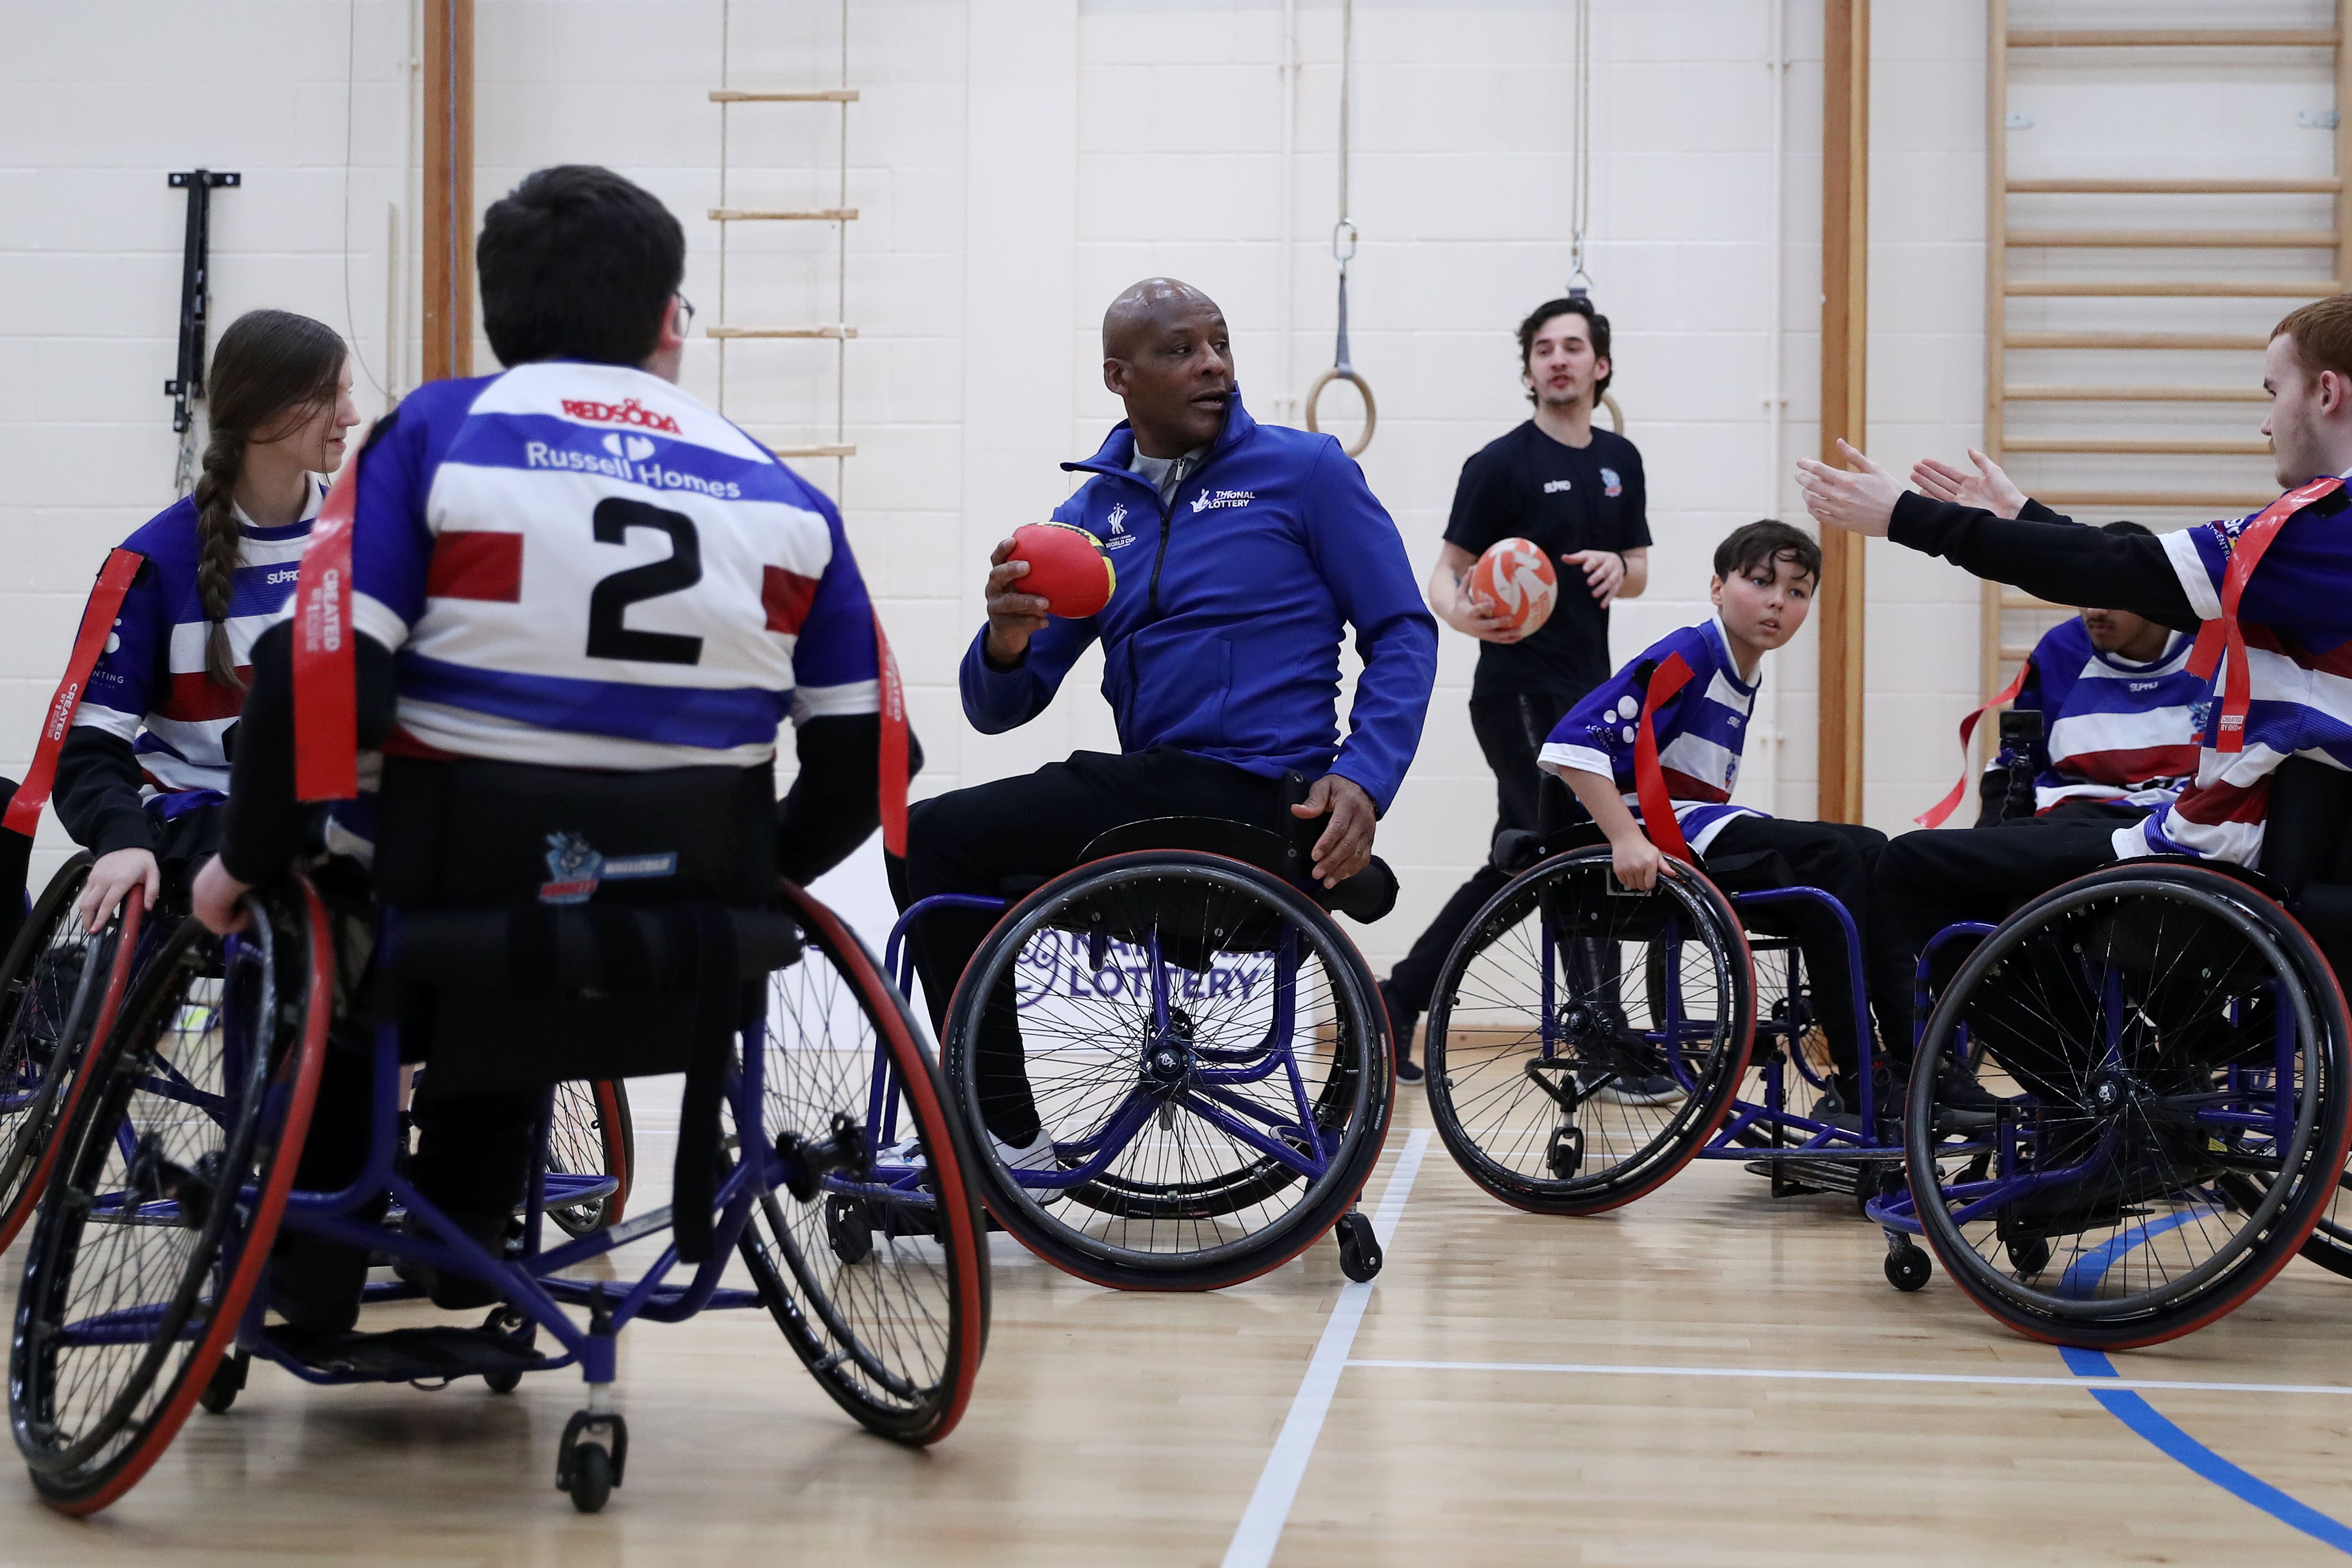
502 1382
850 1228
227 1383
1565 1155
1360 1249
1907 1267
590 1460
2029 1255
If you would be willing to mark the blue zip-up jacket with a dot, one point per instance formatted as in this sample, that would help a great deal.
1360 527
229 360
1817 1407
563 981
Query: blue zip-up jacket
1221 638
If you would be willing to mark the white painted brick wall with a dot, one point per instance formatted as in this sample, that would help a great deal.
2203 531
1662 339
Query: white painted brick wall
1016 163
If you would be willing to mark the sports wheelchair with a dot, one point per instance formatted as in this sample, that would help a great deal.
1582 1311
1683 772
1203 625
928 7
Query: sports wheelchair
1567 993
2148 1069
61 988
142 1289
1204 1047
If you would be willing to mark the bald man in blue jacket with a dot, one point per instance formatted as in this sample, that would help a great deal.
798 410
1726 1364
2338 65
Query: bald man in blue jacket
1244 552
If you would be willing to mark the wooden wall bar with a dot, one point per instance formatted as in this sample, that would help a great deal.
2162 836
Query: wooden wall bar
448 316
1845 271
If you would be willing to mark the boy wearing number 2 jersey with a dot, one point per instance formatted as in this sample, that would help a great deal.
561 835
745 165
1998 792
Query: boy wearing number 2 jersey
572 565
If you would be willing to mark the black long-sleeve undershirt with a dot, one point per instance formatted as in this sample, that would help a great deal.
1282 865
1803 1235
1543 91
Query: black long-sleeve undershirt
830 809
96 792
2048 556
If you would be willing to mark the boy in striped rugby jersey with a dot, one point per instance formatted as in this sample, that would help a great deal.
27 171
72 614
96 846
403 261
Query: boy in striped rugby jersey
1766 574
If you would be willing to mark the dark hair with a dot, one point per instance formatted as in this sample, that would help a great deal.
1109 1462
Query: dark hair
1752 545
272 368
576 263
1576 305
2130 527
2322 331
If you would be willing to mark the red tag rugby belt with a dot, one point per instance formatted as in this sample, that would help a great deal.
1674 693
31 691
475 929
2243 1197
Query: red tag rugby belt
326 661
114 579
1650 778
2216 637
1934 816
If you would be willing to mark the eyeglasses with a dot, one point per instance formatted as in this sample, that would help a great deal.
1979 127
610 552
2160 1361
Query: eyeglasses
685 315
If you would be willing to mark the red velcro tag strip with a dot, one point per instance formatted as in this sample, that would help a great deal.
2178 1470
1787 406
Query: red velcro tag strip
1649 780
2216 637
894 744
786 596
114 579
484 566
326 660
1934 816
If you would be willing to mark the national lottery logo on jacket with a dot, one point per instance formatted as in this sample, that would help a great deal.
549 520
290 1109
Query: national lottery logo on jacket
1206 501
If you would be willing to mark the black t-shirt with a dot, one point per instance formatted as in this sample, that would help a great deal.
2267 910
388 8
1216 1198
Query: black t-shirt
1562 499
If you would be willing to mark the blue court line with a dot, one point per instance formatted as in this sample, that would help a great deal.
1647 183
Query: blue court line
2160 1431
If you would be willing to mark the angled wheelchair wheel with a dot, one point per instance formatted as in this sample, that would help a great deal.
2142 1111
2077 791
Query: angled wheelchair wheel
171 1179
875 1264
2330 1245
2167 1052
57 980
1584 1042
591 1134
1182 1066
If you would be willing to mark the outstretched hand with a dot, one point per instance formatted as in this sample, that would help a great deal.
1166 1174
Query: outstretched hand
1859 500
1346 846
1988 490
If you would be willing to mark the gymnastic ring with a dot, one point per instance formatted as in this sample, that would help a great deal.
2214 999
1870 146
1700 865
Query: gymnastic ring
1372 411
1616 414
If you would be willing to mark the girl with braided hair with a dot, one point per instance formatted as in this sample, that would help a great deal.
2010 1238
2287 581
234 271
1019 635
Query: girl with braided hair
142 772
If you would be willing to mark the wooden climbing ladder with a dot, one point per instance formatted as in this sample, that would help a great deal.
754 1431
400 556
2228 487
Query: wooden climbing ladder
725 330
2210 221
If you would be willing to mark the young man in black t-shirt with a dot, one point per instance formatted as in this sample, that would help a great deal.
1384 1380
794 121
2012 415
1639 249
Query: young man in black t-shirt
1578 494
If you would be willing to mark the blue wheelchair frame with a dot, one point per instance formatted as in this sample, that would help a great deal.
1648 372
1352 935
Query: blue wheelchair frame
534 1284
1897 1211
1310 1157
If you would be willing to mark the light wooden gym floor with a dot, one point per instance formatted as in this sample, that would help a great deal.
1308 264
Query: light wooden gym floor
1132 1429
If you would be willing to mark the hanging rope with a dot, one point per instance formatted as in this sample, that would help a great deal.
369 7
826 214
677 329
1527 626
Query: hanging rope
1343 251
1580 192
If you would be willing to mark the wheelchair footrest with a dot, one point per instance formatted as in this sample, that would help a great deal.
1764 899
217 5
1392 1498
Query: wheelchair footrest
1797 1175
408 1356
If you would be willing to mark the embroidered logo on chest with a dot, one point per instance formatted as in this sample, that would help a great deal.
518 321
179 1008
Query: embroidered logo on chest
1554 486
1610 483
1205 501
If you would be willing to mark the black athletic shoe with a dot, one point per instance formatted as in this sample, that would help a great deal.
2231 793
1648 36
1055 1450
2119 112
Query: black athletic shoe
454 1293
1401 1019
315 1284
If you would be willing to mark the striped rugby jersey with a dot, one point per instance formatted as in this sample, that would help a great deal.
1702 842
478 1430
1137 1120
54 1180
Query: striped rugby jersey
1700 731
149 686
581 566
2296 613
2111 729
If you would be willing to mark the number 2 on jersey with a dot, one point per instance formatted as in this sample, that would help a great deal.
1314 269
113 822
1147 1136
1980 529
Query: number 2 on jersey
607 637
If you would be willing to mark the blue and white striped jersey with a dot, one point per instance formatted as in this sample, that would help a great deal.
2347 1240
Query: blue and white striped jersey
1700 731
581 566
149 686
2112 729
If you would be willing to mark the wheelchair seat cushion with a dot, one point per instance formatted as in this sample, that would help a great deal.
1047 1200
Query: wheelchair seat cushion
1366 896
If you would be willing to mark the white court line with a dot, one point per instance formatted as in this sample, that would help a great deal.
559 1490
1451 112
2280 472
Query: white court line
1260 1531
1812 1374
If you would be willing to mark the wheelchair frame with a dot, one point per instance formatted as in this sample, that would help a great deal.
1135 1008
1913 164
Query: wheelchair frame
533 1287
1359 1250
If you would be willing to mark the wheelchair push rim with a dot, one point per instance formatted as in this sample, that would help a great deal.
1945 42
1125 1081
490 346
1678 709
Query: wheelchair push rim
2154 1035
1530 1027
878 1277
41 1043
1180 1082
256 1129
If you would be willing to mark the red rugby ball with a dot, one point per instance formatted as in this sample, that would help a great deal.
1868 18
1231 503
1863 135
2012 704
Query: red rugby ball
1066 567
1514 581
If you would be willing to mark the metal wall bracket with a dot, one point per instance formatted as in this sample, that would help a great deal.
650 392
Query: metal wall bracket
196 264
